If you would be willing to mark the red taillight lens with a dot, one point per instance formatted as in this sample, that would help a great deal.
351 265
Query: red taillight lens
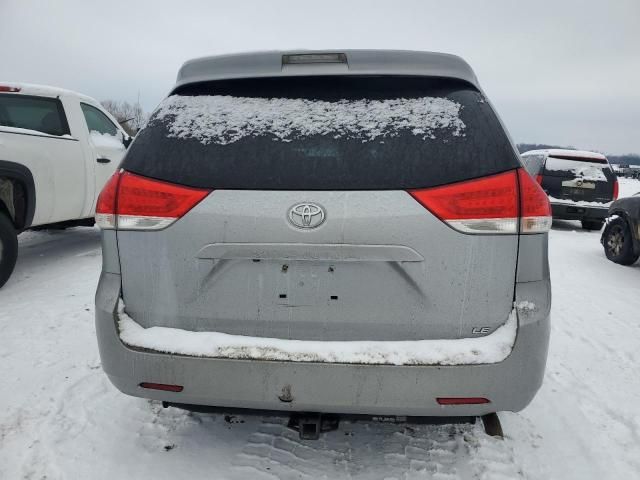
152 198
462 400
484 205
106 204
616 189
133 202
535 210
8 88
162 386
490 205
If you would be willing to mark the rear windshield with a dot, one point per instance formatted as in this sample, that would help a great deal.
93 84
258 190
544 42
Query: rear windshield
585 168
322 133
39 114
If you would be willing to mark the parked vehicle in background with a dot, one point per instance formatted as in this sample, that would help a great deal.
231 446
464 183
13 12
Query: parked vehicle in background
338 233
621 235
629 171
581 185
57 150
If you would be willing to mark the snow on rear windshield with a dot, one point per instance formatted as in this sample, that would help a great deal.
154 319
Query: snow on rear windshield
223 119
592 171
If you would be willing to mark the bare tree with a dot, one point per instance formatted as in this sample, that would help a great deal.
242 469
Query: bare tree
131 116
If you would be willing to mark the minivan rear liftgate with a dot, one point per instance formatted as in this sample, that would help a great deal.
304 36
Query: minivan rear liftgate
384 265
372 263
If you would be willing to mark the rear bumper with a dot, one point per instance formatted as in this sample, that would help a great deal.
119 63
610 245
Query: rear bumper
577 212
325 387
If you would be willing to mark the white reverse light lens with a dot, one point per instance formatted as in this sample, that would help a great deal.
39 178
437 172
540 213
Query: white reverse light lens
485 225
535 224
134 222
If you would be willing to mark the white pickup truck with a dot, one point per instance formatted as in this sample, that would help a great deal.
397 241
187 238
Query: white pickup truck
57 150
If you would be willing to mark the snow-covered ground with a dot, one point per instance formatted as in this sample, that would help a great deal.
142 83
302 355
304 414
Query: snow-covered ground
628 186
60 418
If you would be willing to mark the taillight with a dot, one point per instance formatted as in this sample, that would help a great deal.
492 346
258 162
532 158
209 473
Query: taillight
133 202
616 189
106 204
484 205
535 209
497 204
8 88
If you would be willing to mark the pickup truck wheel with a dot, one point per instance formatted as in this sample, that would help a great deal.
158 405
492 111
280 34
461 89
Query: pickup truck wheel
618 244
592 224
8 248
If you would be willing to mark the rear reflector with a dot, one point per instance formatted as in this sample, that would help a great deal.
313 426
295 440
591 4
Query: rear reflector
162 386
133 202
616 189
7 88
462 400
497 204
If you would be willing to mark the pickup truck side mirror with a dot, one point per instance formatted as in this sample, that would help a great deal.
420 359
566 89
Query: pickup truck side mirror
126 140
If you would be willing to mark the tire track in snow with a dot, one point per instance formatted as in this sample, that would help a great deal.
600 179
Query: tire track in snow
371 450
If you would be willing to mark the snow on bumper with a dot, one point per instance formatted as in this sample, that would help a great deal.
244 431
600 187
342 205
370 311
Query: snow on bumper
331 387
492 348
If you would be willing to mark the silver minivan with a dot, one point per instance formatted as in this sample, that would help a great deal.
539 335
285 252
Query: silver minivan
342 232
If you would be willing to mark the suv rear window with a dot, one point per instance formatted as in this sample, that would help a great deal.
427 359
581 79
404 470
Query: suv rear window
40 114
322 133
588 169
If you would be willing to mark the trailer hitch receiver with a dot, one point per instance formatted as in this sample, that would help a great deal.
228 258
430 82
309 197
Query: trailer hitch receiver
311 425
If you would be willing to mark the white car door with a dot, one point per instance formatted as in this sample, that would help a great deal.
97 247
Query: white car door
107 142
36 130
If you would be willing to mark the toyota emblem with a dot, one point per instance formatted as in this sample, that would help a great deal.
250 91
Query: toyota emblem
306 215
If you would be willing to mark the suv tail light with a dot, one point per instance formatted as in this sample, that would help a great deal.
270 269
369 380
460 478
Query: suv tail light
498 204
616 189
133 202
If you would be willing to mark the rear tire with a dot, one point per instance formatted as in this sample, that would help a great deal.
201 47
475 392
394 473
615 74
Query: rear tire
617 242
592 224
8 248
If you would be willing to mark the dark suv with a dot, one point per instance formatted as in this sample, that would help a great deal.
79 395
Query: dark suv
580 185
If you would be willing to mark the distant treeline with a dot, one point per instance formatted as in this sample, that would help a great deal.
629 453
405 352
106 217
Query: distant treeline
628 159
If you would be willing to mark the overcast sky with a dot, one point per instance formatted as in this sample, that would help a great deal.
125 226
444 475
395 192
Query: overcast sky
562 72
